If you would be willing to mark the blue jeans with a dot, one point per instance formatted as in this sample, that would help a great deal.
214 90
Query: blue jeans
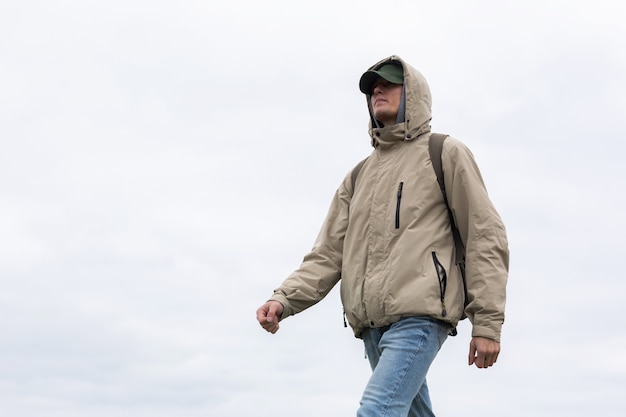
400 355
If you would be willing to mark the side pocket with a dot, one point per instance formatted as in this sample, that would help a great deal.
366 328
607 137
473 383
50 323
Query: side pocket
442 276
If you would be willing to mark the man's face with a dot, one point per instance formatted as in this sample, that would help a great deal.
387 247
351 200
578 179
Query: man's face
385 101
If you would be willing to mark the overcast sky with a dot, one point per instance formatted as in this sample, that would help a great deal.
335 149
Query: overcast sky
166 164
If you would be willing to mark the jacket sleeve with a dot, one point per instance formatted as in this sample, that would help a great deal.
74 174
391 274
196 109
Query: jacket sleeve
484 236
321 268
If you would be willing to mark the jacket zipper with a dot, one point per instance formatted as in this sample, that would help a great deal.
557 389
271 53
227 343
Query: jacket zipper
443 282
399 197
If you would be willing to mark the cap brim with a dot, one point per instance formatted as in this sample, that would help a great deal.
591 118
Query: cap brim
367 81
369 78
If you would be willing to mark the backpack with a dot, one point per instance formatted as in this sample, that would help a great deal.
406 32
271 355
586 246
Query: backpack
435 147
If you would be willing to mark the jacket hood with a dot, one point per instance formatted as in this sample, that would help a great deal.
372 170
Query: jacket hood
417 108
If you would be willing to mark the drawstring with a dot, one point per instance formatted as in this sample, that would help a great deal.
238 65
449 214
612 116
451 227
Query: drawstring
401 109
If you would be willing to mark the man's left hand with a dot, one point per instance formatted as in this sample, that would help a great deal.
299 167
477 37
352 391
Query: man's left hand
483 352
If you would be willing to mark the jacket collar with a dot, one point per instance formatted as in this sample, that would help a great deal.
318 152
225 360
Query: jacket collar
386 137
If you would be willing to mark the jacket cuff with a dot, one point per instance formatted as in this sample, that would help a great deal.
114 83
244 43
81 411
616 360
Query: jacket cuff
287 310
488 332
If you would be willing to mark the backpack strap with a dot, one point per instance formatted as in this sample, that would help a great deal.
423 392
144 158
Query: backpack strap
355 173
435 149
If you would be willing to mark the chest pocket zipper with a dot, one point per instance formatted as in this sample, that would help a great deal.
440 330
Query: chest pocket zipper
399 198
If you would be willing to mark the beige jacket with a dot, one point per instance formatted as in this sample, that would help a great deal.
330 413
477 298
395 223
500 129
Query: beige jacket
390 242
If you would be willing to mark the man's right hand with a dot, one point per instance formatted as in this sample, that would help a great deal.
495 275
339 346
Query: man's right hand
269 314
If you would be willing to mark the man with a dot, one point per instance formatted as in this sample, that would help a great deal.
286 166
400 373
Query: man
387 237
